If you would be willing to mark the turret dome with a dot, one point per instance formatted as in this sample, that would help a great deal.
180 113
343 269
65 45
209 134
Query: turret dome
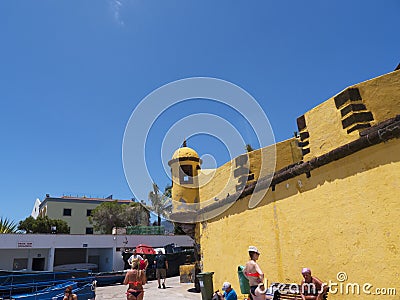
185 152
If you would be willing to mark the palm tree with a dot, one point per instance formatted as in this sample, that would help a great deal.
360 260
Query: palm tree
7 226
155 200
159 202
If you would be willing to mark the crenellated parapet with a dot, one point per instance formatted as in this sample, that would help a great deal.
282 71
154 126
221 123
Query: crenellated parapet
340 119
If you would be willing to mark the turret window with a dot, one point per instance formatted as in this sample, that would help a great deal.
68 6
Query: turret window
186 174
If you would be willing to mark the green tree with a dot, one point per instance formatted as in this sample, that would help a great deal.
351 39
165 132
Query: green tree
111 214
7 226
27 225
43 225
135 214
60 225
106 216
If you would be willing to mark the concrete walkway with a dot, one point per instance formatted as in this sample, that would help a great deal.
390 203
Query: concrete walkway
174 290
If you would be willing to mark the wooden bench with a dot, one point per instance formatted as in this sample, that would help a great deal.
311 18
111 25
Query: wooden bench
287 291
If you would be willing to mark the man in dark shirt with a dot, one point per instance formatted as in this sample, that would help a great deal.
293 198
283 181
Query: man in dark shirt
161 268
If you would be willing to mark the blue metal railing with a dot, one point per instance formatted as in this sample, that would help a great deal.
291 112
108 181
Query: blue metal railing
13 284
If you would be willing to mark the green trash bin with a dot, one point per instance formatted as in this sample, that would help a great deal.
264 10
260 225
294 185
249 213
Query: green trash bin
243 281
206 285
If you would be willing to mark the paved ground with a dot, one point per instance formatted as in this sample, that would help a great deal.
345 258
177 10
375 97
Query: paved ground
175 290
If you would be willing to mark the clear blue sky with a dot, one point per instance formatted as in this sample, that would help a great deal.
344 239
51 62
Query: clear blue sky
72 72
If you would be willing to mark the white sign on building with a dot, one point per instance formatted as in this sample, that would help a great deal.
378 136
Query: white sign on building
25 244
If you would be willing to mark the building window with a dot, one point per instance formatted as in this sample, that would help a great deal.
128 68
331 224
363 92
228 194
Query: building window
89 230
186 174
88 212
20 264
67 212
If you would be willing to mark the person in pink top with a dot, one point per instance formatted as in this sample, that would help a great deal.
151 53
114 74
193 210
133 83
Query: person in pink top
143 264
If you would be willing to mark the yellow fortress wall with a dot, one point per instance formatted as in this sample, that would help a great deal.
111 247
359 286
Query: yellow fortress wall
287 152
344 218
341 217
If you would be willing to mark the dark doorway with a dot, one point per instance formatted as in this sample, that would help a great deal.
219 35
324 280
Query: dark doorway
38 264
95 259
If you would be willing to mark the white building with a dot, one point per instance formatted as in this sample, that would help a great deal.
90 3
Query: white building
41 252
73 210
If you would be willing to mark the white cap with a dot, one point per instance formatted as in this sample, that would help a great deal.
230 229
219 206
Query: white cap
253 249
225 286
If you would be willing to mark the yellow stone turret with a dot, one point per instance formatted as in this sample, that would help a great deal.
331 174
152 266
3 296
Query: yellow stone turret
185 164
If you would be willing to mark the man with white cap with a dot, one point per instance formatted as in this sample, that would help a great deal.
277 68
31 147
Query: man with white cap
253 272
229 292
